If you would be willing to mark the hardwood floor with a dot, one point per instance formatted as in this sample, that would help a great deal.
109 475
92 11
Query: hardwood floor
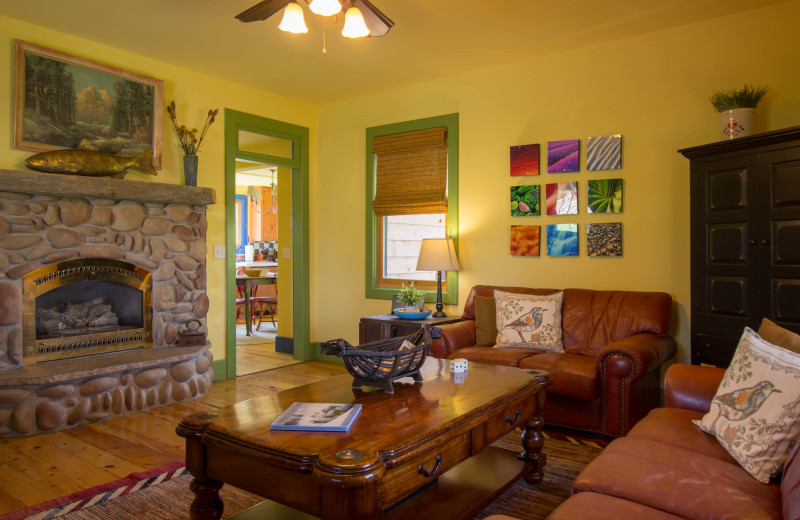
43 467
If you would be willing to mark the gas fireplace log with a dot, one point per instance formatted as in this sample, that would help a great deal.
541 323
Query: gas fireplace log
93 313
80 311
108 318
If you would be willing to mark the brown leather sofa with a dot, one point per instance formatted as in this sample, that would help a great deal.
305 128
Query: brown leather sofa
609 375
667 468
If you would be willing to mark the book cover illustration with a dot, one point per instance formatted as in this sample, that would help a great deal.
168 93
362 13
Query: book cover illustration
326 417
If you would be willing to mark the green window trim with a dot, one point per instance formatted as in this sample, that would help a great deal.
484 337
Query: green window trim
451 122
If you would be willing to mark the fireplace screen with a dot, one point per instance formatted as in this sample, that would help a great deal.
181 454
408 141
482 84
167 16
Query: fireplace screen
84 307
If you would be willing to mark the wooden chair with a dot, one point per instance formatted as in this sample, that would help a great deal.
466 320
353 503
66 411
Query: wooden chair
268 304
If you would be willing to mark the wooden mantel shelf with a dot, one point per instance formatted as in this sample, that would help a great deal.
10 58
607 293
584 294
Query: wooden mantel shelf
102 187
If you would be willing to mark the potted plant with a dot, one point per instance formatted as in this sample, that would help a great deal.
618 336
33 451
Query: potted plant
189 143
411 297
737 109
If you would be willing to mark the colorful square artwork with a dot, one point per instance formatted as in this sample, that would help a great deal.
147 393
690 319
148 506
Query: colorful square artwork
563 156
525 160
562 239
525 240
525 201
562 198
605 196
604 152
603 239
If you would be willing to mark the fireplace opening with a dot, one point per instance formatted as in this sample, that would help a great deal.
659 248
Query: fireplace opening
85 307
88 307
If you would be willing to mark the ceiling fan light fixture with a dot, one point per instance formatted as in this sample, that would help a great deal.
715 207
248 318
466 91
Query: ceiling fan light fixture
293 21
354 26
325 7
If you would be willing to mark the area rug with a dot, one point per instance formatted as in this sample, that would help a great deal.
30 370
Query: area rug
163 493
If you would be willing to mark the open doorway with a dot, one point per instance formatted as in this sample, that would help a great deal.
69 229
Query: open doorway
266 262
259 323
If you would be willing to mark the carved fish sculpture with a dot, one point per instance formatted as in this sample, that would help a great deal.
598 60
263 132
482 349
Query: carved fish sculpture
89 162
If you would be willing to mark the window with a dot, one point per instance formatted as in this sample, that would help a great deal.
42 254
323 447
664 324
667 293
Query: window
412 193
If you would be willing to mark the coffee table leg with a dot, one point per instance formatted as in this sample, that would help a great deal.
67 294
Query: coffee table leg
532 443
206 505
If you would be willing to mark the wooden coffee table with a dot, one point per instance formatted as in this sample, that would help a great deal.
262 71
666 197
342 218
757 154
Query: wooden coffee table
422 450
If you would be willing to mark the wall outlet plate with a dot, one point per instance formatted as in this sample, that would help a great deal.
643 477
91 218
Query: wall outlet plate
219 251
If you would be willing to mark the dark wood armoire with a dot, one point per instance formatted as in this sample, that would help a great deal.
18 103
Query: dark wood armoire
745 239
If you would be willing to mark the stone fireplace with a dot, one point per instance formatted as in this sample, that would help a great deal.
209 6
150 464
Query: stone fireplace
98 278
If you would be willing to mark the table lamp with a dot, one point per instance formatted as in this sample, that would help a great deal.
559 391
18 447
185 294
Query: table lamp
438 254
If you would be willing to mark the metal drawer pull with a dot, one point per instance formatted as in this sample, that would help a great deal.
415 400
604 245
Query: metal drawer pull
423 471
514 422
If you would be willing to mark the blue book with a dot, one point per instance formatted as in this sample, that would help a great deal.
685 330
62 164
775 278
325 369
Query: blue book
323 417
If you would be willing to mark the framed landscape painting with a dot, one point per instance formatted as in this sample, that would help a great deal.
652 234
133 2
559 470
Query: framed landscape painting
61 100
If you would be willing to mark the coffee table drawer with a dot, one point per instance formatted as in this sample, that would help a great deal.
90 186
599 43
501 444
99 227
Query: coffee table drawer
418 470
510 416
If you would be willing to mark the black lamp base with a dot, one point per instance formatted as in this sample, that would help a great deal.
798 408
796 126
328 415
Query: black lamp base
439 306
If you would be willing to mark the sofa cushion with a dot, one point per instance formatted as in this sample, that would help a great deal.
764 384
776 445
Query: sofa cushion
672 426
574 375
529 320
485 321
594 506
509 356
777 335
678 481
754 414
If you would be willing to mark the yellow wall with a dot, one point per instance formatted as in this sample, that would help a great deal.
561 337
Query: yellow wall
652 89
194 93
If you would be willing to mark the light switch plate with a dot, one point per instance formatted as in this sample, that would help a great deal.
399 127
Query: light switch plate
287 252
219 251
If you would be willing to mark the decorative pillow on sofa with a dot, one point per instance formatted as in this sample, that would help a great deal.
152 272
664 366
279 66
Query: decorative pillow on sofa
485 320
754 415
777 335
529 320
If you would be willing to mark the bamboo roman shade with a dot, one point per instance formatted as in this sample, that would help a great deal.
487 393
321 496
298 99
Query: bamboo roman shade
411 172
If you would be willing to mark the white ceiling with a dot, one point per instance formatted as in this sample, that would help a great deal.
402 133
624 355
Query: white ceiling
431 38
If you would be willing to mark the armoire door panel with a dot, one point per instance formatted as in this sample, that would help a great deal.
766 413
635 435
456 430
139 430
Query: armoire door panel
786 242
785 184
727 243
728 295
786 300
727 190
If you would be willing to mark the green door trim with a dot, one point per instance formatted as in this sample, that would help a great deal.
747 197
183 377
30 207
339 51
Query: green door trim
299 135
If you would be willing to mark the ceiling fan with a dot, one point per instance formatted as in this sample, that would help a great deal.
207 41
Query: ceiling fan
377 22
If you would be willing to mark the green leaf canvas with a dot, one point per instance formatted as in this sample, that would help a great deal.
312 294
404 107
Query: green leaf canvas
605 196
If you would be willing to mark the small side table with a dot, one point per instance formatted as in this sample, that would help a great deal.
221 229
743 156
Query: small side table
374 328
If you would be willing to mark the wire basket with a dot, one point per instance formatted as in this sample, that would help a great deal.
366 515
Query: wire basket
381 362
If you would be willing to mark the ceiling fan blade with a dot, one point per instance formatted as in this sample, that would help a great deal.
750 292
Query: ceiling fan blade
262 10
377 22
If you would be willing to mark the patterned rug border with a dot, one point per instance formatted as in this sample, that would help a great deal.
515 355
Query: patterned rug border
98 494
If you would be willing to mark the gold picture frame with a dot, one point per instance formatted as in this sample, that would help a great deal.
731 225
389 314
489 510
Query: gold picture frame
62 99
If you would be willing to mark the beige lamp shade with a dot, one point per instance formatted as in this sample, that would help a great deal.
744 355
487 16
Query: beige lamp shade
325 7
437 254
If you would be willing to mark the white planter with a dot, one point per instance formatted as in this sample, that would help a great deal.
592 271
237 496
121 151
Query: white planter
736 123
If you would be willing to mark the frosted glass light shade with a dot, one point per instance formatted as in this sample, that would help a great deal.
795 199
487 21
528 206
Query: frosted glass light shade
293 21
437 254
325 7
354 26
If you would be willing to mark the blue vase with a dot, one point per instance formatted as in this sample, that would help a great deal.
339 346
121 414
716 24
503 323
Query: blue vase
190 170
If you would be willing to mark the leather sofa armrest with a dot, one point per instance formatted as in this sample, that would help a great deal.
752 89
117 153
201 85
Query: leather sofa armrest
691 387
635 356
454 336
